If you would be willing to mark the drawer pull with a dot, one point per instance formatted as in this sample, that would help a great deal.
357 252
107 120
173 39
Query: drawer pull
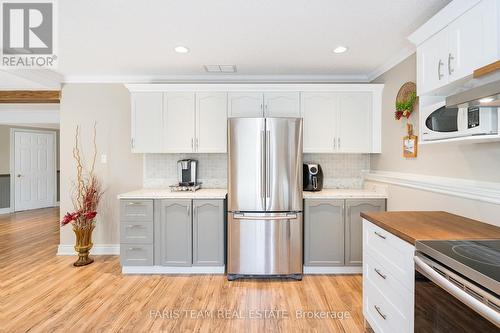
134 203
135 249
380 235
381 275
380 312
134 226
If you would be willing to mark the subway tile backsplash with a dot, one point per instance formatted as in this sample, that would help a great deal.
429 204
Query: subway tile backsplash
340 170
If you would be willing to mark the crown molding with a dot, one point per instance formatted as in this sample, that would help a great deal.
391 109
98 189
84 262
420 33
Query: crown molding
463 188
392 62
218 78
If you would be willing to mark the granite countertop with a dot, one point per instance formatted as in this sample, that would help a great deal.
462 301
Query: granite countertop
435 225
207 193
158 193
344 194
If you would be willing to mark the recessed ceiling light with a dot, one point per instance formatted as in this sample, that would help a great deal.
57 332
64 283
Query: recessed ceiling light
181 49
486 100
340 49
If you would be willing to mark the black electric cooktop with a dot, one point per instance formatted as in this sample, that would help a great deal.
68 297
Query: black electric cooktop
477 260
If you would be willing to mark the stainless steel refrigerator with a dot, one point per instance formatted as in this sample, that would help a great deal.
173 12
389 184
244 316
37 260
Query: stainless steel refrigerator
265 197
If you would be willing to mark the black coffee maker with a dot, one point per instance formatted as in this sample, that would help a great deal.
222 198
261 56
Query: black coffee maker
312 177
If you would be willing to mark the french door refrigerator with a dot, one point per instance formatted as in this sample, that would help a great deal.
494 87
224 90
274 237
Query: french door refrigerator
265 197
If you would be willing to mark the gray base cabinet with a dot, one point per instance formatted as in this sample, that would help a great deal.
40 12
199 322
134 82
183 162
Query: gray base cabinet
208 233
172 232
333 230
324 221
354 227
173 239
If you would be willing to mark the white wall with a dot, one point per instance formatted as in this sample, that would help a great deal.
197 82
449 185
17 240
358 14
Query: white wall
109 105
476 162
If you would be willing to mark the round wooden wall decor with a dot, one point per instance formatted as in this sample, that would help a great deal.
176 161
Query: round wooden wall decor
405 99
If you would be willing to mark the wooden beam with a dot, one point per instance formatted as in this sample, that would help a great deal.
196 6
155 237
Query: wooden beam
30 96
495 66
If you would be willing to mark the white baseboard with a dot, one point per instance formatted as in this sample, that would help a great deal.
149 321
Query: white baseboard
457 187
173 270
97 249
333 270
5 210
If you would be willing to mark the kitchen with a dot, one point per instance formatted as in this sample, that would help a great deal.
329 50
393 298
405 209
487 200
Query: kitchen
238 201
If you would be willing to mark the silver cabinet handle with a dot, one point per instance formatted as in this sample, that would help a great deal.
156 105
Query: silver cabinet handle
338 142
380 235
135 226
334 143
266 112
132 141
196 144
188 210
450 58
440 63
379 273
192 144
380 312
134 249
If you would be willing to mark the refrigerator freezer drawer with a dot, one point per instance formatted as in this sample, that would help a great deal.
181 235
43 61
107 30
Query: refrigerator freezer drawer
269 244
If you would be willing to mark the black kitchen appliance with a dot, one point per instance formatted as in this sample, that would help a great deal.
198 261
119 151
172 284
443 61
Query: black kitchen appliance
187 172
313 177
457 286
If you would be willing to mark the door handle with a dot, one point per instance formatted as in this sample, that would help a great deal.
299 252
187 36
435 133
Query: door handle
380 312
18 175
188 210
383 276
268 164
263 167
380 235
192 144
242 216
440 63
450 58
196 144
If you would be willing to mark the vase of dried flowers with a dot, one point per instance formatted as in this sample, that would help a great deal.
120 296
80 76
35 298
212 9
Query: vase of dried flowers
86 197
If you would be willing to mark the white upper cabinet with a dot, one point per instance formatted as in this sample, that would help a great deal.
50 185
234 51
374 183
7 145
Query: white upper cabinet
146 122
245 104
319 110
432 72
281 104
178 122
168 118
211 122
469 41
354 122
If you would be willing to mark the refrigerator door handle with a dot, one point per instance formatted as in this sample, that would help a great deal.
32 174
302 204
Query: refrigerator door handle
268 164
243 216
262 168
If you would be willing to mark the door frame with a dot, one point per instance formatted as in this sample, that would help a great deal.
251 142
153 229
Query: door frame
12 163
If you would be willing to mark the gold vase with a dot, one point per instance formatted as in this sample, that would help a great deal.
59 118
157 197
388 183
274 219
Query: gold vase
83 244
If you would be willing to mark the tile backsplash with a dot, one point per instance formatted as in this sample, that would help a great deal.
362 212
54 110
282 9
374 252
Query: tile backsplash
340 170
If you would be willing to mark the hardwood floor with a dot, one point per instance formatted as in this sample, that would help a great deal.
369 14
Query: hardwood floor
43 292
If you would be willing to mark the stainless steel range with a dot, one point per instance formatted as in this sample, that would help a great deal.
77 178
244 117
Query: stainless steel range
265 197
457 286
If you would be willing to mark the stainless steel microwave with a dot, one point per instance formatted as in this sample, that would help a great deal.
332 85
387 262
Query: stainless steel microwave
441 122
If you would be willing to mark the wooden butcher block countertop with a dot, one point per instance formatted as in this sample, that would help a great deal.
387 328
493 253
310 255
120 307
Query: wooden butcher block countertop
413 226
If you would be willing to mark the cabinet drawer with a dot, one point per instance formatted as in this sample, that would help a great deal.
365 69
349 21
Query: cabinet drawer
375 275
136 232
136 254
382 315
136 210
392 253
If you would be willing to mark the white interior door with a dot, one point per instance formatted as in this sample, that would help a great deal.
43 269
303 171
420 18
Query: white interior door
34 170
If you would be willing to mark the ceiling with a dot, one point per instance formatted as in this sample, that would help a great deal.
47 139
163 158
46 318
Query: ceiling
127 40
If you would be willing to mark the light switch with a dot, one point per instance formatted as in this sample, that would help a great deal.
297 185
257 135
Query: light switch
104 158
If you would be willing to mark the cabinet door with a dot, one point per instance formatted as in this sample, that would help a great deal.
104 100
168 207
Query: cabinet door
467 37
211 122
354 131
147 130
208 232
245 104
178 118
282 104
324 233
432 57
354 227
173 239
319 113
